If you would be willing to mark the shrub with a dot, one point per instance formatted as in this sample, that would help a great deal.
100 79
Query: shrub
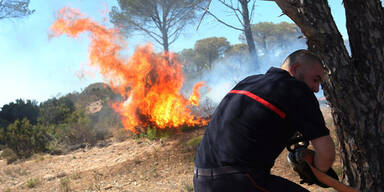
55 111
25 139
188 187
187 128
121 134
55 148
80 130
194 142
105 122
31 183
153 133
19 110
9 155
65 184
75 130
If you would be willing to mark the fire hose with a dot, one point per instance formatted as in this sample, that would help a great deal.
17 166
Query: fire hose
301 158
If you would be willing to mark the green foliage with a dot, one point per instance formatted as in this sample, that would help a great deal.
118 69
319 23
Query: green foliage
16 111
3 123
19 110
209 49
191 145
237 49
9 155
58 124
122 134
186 128
163 21
153 133
54 147
204 54
105 122
70 122
76 129
194 142
269 36
98 91
65 184
33 182
25 139
55 111
187 186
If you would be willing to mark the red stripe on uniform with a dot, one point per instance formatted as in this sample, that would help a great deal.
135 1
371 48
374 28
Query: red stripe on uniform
262 101
256 185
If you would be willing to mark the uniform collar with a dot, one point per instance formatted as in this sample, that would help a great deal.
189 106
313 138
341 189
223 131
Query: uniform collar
277 70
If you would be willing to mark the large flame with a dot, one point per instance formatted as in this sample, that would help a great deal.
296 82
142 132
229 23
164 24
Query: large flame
150 83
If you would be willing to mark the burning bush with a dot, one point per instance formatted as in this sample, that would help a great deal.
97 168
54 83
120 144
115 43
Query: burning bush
150 83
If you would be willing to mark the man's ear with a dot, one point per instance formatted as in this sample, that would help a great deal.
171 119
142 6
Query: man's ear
294 68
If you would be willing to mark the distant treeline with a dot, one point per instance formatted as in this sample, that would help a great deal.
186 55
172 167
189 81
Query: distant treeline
272 40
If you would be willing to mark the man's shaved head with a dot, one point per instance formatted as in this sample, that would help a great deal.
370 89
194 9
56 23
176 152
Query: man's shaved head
305 66
300 55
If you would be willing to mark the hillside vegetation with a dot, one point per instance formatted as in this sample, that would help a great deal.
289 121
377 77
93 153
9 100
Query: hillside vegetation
58 125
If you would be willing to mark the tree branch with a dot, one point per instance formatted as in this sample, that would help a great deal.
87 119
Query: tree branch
205 12
153 35
235 10
221 21
252 11
175 35
157 17
176 30
229 6
14 9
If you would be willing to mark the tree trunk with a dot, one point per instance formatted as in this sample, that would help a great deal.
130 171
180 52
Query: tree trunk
354 86
165 42
164 34
164 27
248 31
166 46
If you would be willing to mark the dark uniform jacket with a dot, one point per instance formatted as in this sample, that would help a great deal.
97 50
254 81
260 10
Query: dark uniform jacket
254 121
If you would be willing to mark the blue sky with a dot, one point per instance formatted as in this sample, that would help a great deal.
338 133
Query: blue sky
36 67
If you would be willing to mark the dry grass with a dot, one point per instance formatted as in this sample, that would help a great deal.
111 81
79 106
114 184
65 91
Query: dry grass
130 165
65 184
32 182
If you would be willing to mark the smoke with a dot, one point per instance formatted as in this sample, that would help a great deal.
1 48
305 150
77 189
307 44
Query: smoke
228 71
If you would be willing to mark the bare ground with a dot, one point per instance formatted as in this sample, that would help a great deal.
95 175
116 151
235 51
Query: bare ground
131 165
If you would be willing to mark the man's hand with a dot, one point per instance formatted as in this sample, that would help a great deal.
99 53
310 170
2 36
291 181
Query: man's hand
300 159
297 158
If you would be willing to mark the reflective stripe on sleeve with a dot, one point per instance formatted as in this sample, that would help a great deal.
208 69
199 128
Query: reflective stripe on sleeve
260 100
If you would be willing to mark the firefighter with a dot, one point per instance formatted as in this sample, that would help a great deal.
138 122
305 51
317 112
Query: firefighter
253 124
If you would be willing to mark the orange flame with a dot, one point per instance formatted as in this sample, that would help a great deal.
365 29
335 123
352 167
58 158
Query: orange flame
149 82
195 96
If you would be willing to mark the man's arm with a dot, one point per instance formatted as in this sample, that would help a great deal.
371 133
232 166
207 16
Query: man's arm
324 152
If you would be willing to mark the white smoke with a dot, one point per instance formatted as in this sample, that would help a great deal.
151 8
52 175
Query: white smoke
227 72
